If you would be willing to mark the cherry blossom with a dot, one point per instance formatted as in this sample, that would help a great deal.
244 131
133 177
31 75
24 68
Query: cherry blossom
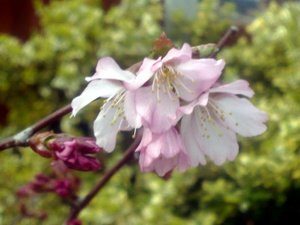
108 82
162 152
168 80
210 123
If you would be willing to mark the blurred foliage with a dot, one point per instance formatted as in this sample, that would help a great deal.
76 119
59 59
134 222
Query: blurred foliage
213 19
260 187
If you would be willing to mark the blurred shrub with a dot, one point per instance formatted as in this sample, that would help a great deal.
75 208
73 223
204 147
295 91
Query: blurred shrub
260 187
266 173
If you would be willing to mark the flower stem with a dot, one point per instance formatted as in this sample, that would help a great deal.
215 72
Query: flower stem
223 41
128 155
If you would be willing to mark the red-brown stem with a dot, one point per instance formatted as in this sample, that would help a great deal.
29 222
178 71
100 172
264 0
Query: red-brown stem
128 155
226 37
21 139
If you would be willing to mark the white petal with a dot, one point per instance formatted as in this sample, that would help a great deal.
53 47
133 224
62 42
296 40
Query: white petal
240 115
214 139
238 87
94 90
190 134
107 68
105 131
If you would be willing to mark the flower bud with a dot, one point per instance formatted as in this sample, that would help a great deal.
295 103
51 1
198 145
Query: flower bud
41 183
204 51
38 144
73 152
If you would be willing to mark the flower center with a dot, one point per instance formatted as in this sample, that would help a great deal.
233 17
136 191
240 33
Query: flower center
170 82
114 109
212 116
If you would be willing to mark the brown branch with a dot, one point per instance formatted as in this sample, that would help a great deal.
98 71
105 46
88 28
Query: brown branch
128 155
226 37
21 138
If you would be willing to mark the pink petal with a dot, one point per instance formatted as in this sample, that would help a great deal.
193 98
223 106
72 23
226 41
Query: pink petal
94 90
240 115
132 117
188 109
146 139
156 115
199 76
145 72
145 162
168 144
162 153
172 143
178 55
238 87
107 68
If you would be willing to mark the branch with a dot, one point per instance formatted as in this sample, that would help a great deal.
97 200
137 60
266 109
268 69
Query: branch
128 155
21 138
223 41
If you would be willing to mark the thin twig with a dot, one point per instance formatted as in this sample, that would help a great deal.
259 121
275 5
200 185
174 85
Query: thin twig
21 138
128 155
231 31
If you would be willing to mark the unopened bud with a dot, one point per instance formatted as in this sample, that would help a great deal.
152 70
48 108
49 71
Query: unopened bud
41 183
204 51
38 144
74 152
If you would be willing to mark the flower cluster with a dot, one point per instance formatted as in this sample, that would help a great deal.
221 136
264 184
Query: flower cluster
185 113
61 182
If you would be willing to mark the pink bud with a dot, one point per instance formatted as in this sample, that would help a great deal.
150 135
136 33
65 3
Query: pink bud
63 188
73 152
41 183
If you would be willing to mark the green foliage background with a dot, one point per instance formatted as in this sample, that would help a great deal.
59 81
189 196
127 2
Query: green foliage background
37 77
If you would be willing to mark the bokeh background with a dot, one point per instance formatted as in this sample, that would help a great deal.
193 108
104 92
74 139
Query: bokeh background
48 47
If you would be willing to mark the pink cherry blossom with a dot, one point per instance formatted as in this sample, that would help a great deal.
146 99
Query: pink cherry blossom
117 112
168 80
162 152
211 122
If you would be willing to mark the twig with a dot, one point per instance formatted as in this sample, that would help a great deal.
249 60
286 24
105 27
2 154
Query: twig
95 190
20 139
231 31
